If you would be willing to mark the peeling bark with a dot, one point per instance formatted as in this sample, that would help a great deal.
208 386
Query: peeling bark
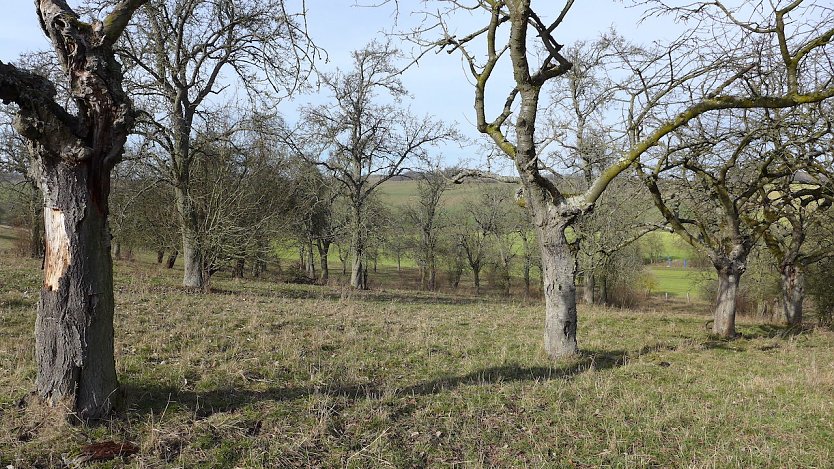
74 326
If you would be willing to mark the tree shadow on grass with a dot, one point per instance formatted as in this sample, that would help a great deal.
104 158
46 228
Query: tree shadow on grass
145 398
368 296
758 331
774 331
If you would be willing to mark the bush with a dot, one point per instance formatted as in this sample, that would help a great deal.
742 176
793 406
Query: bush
296 274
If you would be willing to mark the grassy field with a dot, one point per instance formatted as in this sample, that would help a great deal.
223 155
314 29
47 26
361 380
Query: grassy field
260 374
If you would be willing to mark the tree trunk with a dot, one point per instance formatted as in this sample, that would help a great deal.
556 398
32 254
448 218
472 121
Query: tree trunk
588 289
476 277
160 255
310 261
724 324
74 326
324 249
602 298
172 259
559 266
432 274
792 293
358 273
72 157
192 254
240 265
117 250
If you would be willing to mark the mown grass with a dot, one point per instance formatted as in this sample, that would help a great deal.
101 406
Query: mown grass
678 281
260 374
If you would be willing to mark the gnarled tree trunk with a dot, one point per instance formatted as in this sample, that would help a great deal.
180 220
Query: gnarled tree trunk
72 159
792 292
74 327
729 275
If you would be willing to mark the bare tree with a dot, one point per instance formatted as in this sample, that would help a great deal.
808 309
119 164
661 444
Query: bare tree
363 142
690 77
181 54
72 157
796 210
425 215
709 185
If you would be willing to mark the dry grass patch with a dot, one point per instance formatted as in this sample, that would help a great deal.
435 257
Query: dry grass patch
269 375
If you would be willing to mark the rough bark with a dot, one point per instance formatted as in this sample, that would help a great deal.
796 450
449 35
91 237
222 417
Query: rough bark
588 289
192 255
792 293
74 326
559 264
724 323
36 231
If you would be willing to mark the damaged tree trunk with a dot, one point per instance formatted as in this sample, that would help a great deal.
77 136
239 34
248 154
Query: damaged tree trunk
74 326
72 159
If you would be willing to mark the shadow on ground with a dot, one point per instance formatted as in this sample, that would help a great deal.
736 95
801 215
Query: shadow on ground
143 397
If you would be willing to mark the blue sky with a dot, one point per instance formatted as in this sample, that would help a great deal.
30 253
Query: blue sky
439 85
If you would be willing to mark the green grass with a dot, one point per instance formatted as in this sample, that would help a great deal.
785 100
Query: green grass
677 281
401 193
270 375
